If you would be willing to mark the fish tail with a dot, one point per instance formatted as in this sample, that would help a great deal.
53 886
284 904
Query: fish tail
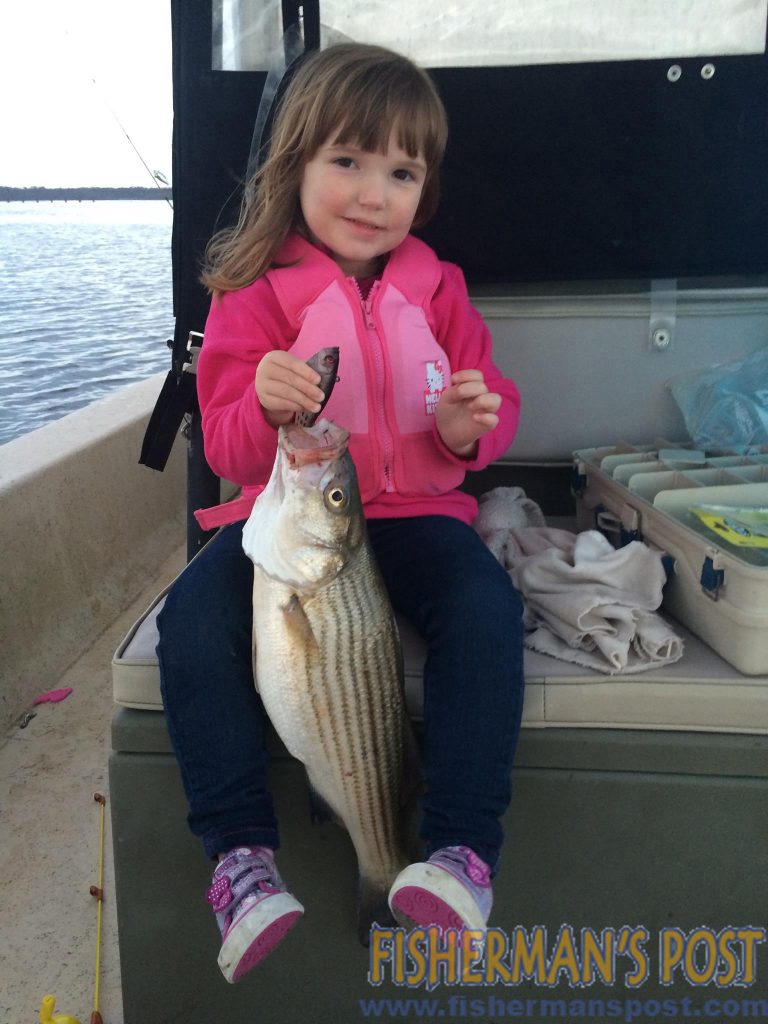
372 908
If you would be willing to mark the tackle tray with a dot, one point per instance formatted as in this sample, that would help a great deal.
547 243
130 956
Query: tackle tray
645 492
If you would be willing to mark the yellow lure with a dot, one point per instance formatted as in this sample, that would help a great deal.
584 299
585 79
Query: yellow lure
742 527
47 1016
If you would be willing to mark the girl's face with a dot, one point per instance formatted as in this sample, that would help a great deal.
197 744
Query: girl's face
360 204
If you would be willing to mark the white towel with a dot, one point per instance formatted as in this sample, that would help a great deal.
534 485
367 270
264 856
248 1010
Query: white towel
545 641
596 603
502 509
585 601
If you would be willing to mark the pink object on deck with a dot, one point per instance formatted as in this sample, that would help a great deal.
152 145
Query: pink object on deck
53 696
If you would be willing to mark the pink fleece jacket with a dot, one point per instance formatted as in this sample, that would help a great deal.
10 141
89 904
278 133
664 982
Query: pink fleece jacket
398 348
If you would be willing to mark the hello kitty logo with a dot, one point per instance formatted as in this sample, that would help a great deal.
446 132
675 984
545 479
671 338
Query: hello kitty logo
435 386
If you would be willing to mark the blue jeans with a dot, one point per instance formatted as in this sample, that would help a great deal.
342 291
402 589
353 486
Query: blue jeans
441 576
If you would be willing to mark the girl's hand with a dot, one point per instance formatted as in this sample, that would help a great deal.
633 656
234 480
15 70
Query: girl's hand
286 385
466 411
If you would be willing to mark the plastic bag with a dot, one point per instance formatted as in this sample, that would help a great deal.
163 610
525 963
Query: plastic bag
726 406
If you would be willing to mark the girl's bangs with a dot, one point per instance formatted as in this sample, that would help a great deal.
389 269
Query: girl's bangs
418 130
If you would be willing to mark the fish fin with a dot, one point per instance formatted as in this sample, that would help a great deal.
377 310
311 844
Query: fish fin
372 908
319 808
297 622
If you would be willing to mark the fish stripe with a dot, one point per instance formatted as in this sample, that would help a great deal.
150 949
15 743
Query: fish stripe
383 667
352 601
370 672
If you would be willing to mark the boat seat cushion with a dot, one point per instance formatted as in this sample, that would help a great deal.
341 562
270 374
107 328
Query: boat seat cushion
701 692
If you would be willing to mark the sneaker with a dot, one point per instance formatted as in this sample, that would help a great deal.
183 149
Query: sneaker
253 908
451 890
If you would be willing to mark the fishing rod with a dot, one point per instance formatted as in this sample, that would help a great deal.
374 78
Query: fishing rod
157 176
48 1005
98 892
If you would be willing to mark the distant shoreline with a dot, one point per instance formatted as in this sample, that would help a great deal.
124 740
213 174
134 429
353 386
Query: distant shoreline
79 195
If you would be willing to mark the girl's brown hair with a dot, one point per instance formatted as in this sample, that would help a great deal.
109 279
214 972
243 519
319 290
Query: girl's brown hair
360 93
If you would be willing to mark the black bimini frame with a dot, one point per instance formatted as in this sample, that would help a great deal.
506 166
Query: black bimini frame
586 171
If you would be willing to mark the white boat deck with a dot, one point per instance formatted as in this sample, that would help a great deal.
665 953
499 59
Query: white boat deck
49 855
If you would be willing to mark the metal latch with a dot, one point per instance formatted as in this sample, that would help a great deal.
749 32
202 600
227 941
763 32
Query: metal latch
711 579
194 345
626 525
663 313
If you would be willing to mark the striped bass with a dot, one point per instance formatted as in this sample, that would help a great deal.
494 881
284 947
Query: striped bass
326 648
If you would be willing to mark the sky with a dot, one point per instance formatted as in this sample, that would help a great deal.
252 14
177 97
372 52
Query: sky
58 128
76 76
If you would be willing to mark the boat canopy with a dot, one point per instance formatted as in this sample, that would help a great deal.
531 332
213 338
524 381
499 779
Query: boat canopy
589 139
502 33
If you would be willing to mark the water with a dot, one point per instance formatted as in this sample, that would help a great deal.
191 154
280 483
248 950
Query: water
85 304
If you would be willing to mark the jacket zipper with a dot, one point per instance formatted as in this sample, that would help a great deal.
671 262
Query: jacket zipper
377 350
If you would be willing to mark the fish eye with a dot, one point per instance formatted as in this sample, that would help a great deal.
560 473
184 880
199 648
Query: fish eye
335 496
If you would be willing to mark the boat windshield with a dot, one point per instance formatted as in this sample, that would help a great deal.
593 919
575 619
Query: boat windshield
246 33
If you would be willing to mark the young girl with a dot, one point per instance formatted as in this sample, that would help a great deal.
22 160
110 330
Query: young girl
322 255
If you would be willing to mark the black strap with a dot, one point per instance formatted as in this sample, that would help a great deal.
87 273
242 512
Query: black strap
178 396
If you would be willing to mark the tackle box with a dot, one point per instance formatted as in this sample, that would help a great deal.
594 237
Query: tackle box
646 492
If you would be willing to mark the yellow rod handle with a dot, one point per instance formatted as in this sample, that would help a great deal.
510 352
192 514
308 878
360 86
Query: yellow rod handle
98 892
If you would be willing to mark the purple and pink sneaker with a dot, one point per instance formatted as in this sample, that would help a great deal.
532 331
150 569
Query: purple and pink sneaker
253 908
451 890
